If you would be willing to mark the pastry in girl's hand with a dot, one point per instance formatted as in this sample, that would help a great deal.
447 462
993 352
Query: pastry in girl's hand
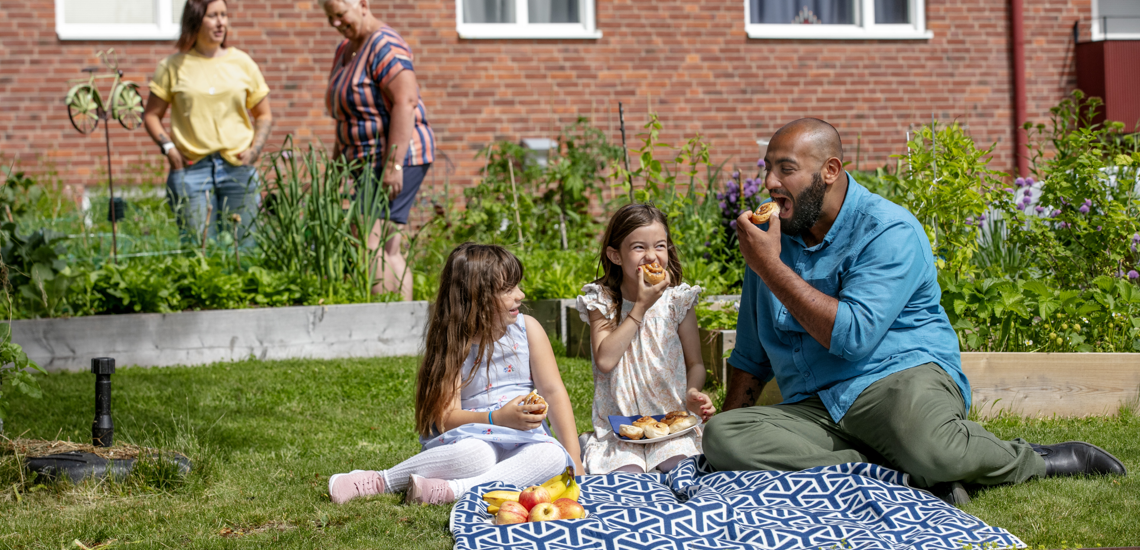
632 432
766 210
644 421
654 273
655 430
682 423
534 399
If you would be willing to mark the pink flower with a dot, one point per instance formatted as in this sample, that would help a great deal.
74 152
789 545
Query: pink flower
1133 274
1084 209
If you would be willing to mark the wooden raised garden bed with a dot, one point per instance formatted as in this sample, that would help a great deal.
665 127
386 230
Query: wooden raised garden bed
201 337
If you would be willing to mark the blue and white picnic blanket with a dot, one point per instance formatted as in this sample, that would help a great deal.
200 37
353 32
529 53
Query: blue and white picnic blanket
840 507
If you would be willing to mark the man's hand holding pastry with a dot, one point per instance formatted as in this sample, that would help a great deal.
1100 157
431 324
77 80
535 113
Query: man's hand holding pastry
760 248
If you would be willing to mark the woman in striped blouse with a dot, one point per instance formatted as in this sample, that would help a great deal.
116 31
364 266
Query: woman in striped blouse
374 97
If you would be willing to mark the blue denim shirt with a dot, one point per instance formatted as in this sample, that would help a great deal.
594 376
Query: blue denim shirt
876 260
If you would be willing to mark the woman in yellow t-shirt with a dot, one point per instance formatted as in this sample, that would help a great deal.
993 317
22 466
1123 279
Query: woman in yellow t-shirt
214 90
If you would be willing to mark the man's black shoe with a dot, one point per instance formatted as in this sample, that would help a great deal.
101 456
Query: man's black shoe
952 493
1077 457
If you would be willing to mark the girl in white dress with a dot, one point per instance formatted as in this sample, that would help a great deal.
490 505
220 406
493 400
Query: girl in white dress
645 343
481 359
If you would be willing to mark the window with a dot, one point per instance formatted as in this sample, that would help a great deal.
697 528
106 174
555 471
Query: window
1116 20
526 19
837 19
118 19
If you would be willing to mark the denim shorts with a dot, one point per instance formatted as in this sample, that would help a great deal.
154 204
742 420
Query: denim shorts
212 185
398 209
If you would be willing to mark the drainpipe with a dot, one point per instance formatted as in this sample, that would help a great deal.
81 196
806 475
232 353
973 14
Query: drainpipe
1020 137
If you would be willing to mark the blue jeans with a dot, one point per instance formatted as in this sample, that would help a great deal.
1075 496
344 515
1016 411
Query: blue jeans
213 185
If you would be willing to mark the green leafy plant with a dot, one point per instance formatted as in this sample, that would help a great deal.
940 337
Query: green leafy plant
313 227
1087 220
36 270
14 363
946 182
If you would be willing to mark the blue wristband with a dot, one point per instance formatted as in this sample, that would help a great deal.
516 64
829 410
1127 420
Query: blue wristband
489 420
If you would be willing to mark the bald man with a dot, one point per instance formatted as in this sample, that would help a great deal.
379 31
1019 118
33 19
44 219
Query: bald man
841 306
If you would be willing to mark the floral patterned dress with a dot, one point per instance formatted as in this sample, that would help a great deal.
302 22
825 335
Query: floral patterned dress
507 378
649 379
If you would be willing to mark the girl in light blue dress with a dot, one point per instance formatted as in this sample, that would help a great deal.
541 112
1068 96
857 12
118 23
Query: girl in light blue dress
481 360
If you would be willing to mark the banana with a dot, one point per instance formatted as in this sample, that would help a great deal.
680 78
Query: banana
556 486
497 498
573 491
492 510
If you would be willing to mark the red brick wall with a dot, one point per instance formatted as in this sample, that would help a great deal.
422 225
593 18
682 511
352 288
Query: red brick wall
688 60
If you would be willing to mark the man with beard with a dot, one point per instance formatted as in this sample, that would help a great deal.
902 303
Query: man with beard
841 305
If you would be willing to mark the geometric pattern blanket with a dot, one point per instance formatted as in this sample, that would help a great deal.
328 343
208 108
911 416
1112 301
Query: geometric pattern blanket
842 507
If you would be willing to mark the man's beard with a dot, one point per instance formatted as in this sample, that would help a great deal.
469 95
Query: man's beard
807 207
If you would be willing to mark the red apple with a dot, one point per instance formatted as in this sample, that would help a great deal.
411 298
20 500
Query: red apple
511 512
569 509
534 495
543 511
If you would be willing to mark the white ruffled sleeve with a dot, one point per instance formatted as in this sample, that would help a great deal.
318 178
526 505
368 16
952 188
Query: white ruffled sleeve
594 297
682 299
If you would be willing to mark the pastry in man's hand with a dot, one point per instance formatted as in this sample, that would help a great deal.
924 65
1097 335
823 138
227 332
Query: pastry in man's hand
766 211
632 432
654 273
655 430
644 421
682 423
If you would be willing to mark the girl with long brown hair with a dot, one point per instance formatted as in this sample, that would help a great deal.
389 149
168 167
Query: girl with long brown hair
481 360
645 343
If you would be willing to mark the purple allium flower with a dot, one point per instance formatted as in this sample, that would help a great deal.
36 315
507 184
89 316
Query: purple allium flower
1084 209
1020 182
1132 274
732 224
720 197
731 186
1028 192
1040 209
1055 214
1088 202
707 243
736 175
722 205
1026 201
1007 189
1020 206
1099 227
970 220
981 217
1029 182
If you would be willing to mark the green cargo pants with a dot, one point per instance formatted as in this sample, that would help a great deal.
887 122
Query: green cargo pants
913 421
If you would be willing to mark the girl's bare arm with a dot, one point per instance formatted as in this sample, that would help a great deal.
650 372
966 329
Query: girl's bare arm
548 381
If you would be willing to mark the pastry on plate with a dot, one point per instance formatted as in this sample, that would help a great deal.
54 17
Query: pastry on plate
655 430
644 421
632 432
682 423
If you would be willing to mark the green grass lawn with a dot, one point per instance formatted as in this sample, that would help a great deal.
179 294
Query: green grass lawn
265 436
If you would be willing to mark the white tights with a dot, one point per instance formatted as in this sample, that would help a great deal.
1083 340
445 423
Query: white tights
469 462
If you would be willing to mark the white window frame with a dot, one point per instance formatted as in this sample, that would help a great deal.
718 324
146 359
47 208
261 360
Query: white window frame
161 29
523 29
1099 35
863 29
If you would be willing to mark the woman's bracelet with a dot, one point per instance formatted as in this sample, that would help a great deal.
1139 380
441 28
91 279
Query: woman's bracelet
490 420
634 319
